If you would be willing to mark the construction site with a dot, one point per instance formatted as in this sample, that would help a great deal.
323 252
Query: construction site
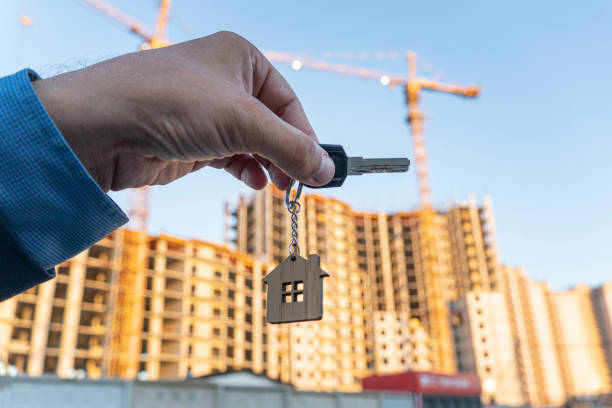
420 290
136 306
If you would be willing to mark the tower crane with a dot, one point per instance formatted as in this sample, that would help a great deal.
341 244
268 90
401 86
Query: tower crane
437 319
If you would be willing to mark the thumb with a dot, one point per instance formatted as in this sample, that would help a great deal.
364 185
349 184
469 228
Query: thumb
290 149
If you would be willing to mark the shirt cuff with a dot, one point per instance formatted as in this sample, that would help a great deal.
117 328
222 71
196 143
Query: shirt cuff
49 203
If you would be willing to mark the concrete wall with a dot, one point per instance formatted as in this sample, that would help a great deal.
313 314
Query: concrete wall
23 392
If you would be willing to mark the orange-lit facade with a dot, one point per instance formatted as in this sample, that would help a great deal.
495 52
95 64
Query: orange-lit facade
149 307
385 255
583 353
160 307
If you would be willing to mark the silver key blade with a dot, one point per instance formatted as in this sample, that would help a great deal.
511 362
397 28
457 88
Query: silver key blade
359 165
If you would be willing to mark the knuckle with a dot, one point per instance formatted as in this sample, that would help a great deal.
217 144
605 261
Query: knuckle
244 125
255 128
231 38
301 159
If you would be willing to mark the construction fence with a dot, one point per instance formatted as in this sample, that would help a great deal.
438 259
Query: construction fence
52 392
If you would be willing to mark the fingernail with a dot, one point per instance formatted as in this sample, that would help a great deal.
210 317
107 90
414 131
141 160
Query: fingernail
326 169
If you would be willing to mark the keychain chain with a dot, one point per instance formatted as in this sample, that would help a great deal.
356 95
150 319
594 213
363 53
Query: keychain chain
293 206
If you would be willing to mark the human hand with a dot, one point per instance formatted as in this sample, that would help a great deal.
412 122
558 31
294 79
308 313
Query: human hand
153 116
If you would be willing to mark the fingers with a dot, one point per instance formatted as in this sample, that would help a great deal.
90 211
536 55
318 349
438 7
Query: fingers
290 149
274 92
280 179
237 166
245 168
135 171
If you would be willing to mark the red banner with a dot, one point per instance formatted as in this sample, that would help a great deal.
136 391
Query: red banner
424 383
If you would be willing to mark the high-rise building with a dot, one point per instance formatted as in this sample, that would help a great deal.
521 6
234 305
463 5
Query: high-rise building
485 345
533 329
154 307
400 344
562 338
326 228
602 304
163 307
160 307
387 252
473 244
393 258
62 326
189 308
167 308
582 350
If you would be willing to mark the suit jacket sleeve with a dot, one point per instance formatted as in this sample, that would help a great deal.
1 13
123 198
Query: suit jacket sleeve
50 207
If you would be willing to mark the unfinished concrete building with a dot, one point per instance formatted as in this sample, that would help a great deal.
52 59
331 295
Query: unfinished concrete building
484 345
385 251
473 245
136 306
400 344
602 304
62 326
149 307
537 346
582 351
392 255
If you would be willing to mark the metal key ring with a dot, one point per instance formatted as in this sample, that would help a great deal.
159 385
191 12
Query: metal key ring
288 193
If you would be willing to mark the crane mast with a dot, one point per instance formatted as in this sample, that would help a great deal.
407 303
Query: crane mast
415 121
160 35
437 321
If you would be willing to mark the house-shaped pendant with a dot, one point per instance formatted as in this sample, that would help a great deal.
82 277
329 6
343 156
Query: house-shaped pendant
295 290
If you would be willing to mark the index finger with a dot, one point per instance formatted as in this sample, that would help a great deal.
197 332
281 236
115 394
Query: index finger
274 91
271 88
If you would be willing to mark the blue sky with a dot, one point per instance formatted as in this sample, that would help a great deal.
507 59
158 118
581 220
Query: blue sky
537 140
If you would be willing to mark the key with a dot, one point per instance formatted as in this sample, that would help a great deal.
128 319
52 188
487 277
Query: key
351 166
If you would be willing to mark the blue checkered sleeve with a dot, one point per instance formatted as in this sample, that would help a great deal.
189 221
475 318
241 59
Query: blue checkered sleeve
50 207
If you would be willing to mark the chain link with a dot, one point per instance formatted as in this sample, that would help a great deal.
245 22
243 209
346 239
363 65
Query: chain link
294 248
293 206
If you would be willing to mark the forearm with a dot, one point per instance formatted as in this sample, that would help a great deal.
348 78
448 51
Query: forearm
78 111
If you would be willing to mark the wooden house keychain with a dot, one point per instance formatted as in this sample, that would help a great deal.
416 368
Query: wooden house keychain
295 286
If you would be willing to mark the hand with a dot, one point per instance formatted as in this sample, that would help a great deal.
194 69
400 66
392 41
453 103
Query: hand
153 116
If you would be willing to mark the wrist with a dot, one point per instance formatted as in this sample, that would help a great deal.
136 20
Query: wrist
75 117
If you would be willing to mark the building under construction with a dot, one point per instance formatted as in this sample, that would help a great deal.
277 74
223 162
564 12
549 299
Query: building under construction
136 306
160 307
383 252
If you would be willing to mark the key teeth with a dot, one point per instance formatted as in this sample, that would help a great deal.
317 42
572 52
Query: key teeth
359 165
